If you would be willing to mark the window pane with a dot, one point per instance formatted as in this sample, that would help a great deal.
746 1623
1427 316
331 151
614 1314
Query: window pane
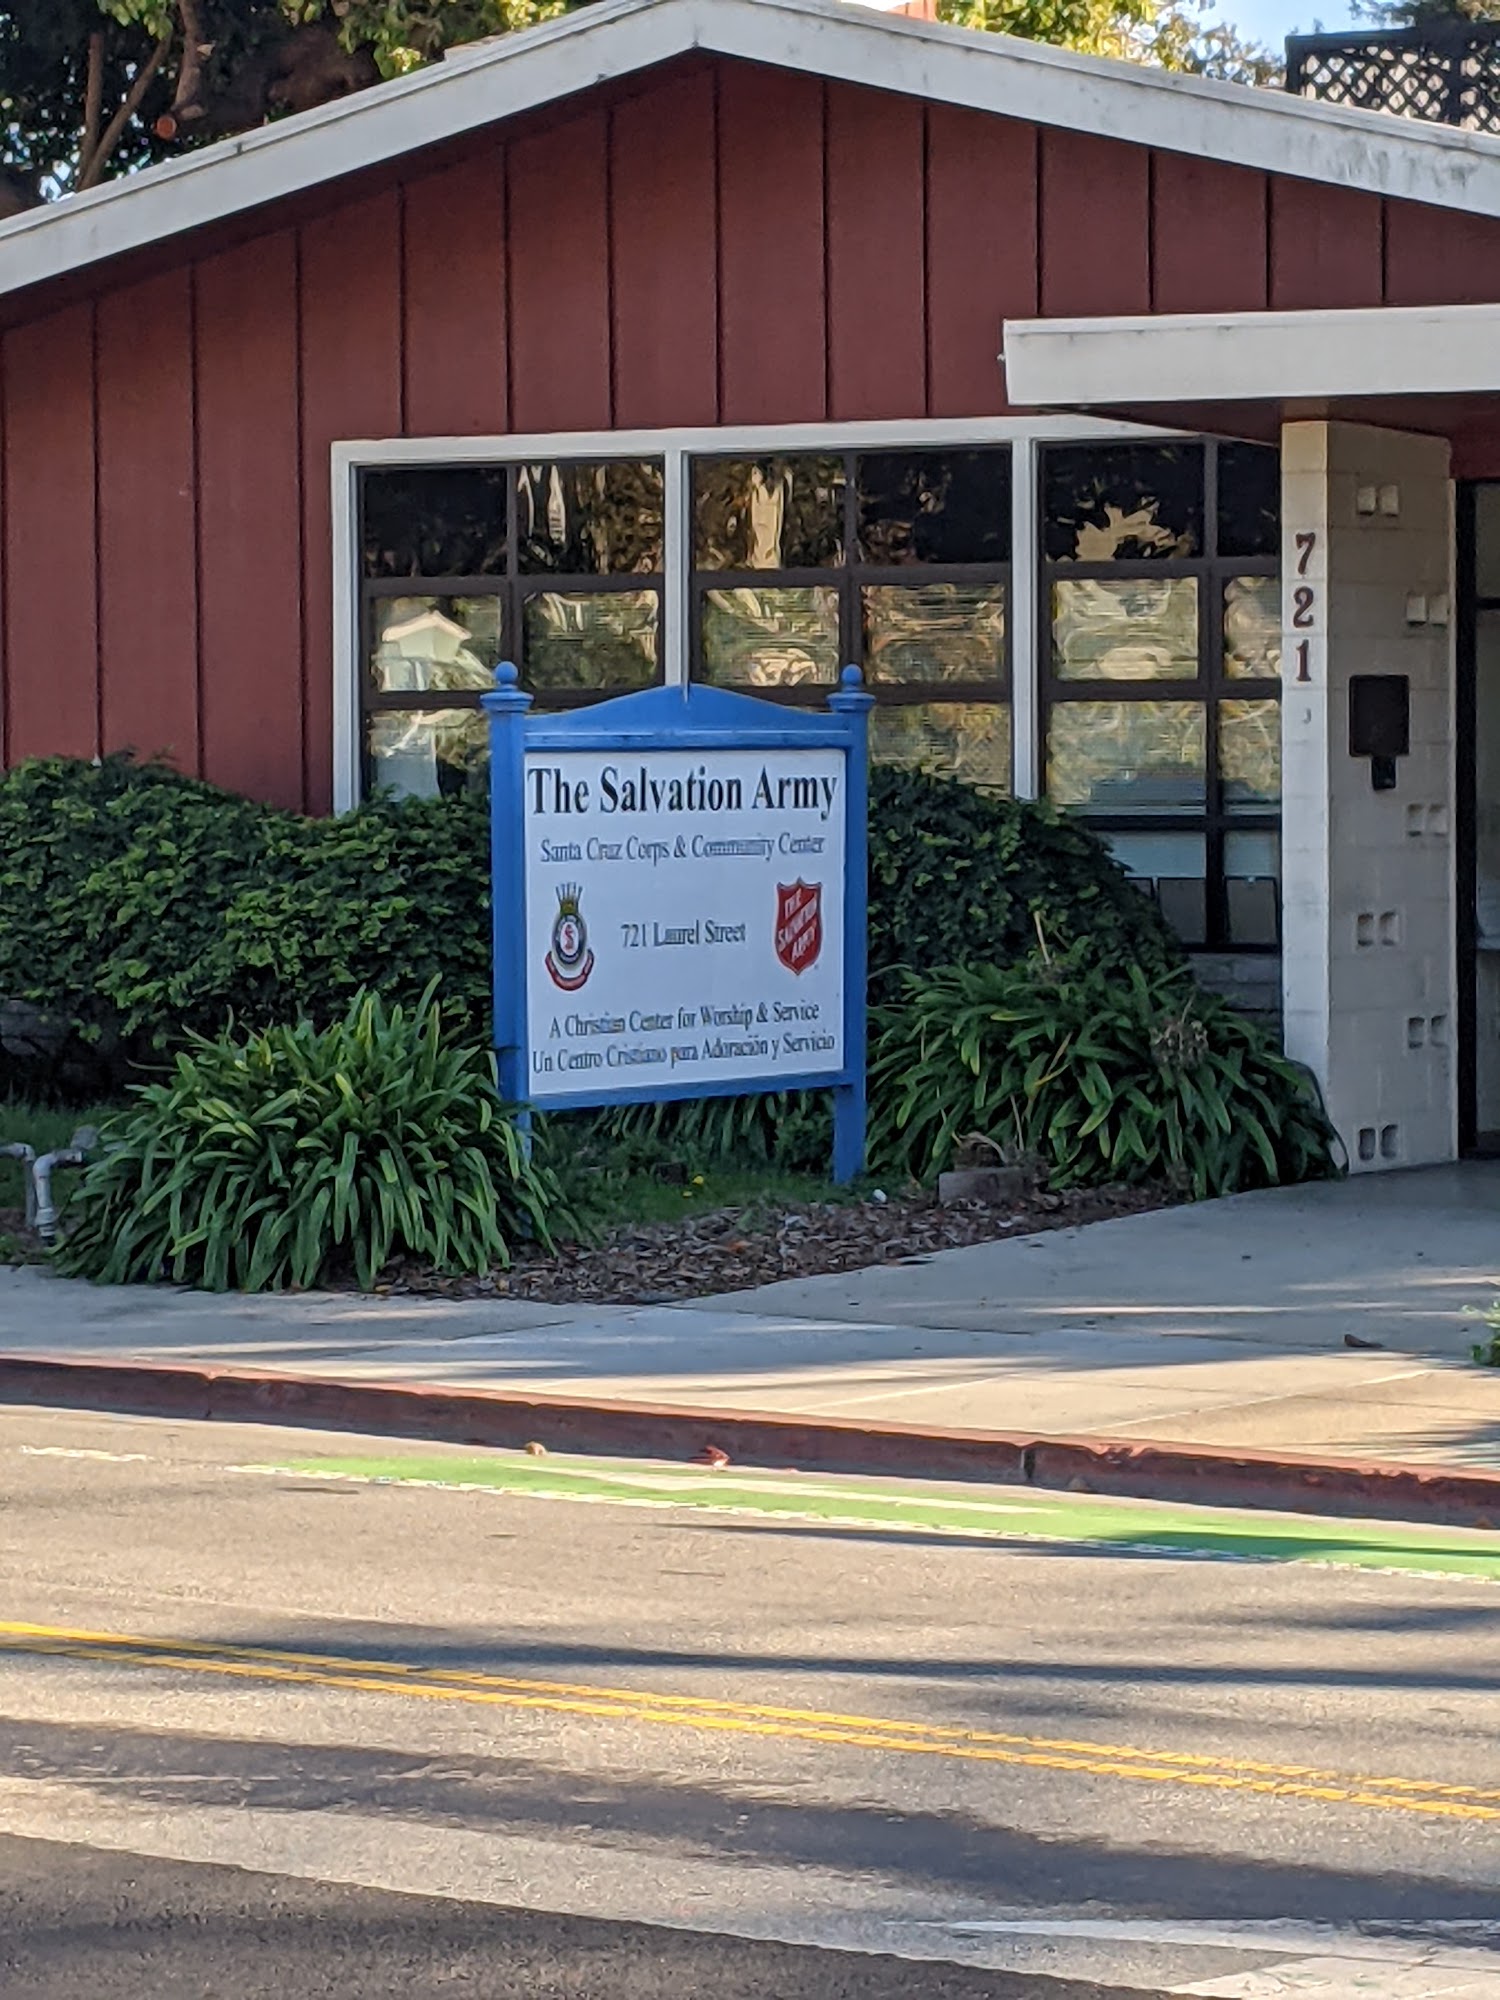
1126 629
1122 502
425 645
1250 754
957 739
768 513
1127 756
1171 868
935 632
771 638
1249 500
590 520
1252 628
590 639
427 754
434 521
934 506
1252 882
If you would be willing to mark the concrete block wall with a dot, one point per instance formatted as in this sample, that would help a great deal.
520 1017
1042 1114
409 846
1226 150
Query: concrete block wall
1368 929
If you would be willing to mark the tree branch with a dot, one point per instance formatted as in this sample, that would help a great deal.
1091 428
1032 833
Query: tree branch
186 99
93 98
93 168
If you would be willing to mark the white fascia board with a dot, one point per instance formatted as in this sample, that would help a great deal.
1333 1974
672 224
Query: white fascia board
1261 357
508 75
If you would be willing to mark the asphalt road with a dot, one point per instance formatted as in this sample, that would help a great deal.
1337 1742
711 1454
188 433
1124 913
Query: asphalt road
267 1730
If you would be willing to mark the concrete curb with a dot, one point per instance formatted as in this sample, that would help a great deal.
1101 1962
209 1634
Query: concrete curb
1203 1474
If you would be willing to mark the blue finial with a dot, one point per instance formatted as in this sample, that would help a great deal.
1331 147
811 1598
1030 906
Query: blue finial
853 680
506 675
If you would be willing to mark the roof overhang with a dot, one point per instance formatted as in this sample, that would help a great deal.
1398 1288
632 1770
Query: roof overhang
1284 358
612 40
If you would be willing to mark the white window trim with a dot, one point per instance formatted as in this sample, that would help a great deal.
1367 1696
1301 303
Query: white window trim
674 448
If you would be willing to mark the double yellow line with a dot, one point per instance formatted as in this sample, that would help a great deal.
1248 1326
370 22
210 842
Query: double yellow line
277 1666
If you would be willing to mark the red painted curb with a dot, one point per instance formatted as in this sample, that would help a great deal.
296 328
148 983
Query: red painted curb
1294 1482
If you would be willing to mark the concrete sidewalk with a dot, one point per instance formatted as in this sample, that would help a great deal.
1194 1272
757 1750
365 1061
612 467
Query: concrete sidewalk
1221 1325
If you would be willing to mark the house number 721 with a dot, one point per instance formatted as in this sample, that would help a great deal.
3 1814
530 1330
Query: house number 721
1304 602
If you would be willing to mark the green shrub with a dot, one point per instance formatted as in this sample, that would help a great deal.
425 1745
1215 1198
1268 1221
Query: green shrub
1108 1075
138 906
295 1155
961 877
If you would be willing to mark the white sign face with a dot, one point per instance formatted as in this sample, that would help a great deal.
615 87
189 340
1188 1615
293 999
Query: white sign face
684 918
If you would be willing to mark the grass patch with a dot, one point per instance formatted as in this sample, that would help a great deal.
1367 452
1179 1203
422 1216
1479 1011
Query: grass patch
622 1199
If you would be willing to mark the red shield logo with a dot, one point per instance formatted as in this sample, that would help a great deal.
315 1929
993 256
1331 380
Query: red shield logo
799 924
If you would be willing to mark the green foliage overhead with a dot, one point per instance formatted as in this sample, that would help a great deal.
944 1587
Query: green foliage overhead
1104 1074
296 1156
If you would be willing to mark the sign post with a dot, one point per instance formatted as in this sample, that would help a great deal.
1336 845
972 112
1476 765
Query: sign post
680 899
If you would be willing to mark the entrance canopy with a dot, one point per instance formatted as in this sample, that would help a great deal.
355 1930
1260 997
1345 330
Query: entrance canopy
1429 369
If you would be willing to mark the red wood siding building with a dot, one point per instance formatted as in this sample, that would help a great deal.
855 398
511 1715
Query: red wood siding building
713 241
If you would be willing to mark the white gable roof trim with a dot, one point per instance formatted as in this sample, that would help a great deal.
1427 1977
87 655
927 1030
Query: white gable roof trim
614 39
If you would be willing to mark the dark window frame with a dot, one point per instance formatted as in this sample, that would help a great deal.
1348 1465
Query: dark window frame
512 588
1207 689
851 577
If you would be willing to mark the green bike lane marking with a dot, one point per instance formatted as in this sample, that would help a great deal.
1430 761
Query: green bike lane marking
998 1513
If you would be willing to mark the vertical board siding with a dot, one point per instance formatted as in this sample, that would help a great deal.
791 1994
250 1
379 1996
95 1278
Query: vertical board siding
981 253
249 527
877 280
559 278
51 635
664 291
351 388
1095 226
1208 236
1326 246
1435 256
148 571
773 330
453 354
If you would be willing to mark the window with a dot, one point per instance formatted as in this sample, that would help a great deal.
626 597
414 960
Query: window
895 561
557 565
1160 673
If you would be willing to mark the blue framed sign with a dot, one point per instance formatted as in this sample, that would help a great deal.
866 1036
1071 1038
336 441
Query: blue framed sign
680 899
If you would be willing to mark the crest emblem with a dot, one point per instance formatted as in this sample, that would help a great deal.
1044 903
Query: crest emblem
570 960
799 924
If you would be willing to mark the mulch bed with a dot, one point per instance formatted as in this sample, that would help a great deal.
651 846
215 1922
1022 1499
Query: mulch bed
732 1249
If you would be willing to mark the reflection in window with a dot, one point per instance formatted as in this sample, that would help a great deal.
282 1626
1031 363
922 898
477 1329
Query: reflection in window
1127 756
1249 500
934 632
590 520
1172 867
1122 502
590 639
956 739
771 637
1252 885
934 506
429 645
1126 629
428 753
434 521
1252 628
1250 754
768 513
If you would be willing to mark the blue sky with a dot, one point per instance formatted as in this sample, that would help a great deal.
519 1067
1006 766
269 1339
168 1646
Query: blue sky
1272 21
